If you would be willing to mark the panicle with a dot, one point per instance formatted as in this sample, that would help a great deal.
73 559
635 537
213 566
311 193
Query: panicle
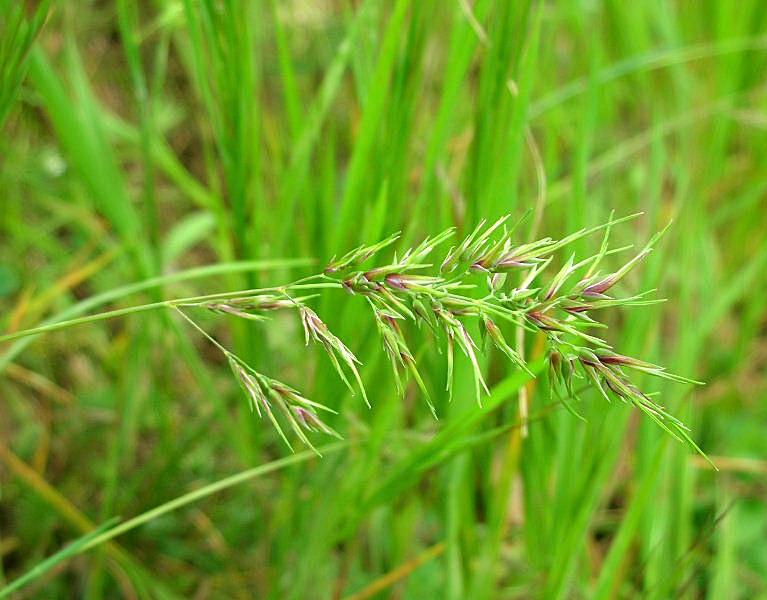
406 290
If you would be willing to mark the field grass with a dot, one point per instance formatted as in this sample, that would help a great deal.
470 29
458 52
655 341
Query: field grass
174 148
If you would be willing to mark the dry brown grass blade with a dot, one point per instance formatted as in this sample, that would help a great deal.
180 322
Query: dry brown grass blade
733 464
30 307
40 384
79 272
398 574
19 311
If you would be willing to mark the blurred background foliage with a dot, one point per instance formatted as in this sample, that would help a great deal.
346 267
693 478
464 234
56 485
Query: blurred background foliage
143 140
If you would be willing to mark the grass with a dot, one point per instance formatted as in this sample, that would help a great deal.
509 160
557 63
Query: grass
156 151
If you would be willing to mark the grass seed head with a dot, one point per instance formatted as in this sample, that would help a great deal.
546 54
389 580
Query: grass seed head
404 290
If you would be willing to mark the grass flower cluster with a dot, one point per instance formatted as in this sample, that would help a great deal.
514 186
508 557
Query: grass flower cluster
486 278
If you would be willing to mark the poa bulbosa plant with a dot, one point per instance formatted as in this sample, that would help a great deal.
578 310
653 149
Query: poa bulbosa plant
487 279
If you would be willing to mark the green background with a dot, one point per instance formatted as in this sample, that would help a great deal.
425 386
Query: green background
143 140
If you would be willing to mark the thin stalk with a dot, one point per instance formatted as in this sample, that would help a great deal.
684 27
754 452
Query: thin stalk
110 314
121 312
194 300
210 338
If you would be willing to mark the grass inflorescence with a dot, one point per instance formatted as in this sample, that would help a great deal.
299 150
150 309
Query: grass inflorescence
444 298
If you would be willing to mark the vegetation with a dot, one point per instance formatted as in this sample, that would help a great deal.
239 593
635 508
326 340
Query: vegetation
168 166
